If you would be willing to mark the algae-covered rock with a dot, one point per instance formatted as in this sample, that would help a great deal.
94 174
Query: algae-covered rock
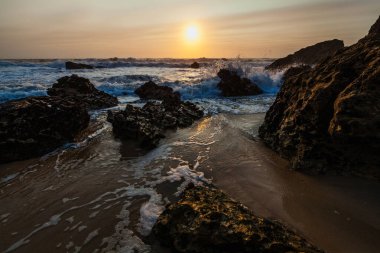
206 220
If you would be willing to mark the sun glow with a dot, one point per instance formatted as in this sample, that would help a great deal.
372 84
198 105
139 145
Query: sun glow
192 33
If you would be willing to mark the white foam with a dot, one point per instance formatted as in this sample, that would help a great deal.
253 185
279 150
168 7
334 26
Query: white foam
149 213
64 200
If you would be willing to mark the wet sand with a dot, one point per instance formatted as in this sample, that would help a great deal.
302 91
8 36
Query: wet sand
74 199
339 214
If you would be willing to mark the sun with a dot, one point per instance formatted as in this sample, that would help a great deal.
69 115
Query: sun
192 33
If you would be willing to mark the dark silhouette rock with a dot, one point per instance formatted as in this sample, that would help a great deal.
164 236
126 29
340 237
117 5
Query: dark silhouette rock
37 125
151 90
148 124
81 89
328 118
232 85
206 220
195 65
73 65
309 55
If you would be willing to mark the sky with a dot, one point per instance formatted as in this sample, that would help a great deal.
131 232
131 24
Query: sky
157 28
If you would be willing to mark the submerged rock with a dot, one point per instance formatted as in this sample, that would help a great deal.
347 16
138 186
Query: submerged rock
195 65
233 85
206 220
37 125
309 55
82 90
148 124
328 117
73 65
151 90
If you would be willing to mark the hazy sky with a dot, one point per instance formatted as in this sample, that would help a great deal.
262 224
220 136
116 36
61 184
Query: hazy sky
155 28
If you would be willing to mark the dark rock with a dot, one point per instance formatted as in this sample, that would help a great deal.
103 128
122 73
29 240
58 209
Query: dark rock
151 90
148 124
309 55
328 118
206 220
293 71
233 85
73 65
195 65
82 90
37 125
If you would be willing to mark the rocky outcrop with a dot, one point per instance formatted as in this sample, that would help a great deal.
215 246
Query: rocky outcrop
328 118
232 85
73 65
37 125
195 65
147 125
151 90
82 90
309 55
206 220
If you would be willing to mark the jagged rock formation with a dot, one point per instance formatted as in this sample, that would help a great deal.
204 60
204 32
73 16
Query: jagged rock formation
73 65
232 85
151 90
206 220
309 55
328 118
82 90
37 125
147 125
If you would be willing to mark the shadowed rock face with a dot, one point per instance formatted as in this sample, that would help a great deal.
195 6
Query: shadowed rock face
328 118
148 124
309 55
82 90
73 65
232 85
151 90
206 220
37 125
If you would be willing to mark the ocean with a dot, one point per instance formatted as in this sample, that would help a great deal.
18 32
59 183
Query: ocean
23 78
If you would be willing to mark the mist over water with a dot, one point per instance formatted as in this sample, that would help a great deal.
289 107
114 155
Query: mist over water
120 77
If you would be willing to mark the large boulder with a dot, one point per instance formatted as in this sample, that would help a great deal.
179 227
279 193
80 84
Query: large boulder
147 125
37 125
327 118
309 55
82 90
73 65
151 90
206 220
232 85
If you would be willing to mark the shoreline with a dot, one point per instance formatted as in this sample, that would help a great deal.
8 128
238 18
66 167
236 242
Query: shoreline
249 172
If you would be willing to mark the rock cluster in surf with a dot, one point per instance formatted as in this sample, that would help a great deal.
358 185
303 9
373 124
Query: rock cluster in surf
308 55
148 124
37 125
232 85
195 65
327 118
151 90
82 90
206 220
